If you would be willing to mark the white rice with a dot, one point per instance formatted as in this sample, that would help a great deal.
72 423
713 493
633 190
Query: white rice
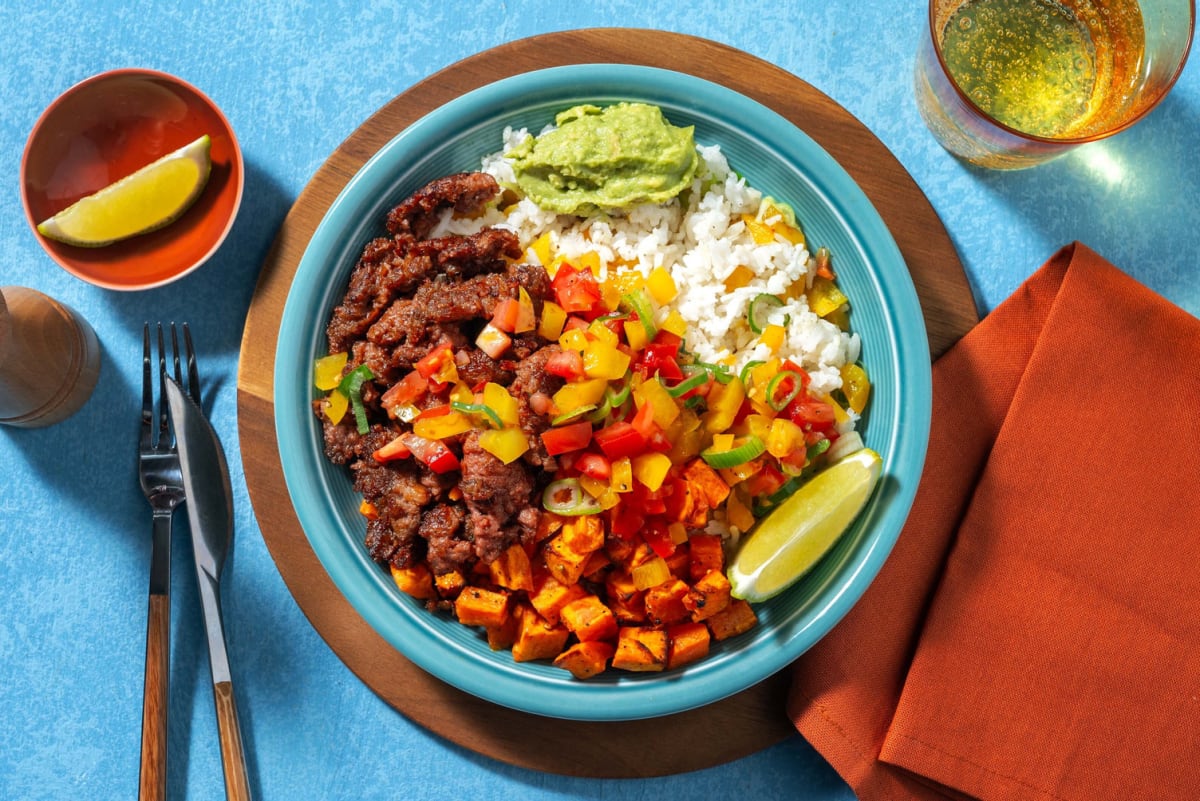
700 244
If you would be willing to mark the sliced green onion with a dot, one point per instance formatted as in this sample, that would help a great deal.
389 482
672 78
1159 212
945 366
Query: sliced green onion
566 497
351 387
720 372
478 410
638 301
744 376
760 309
778 403
601 412
574 414
698 377
616 397
751 448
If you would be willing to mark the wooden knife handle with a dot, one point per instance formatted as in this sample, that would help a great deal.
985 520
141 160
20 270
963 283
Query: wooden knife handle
233 759
152 781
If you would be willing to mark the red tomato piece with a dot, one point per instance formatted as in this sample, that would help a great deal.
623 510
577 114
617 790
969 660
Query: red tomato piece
593 465
567 438
566 364
433 361
620 439
655 534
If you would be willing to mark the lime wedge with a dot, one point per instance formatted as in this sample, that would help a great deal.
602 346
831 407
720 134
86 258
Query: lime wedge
144 201
788 542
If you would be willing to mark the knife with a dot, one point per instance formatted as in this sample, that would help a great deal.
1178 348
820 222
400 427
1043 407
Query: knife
210 515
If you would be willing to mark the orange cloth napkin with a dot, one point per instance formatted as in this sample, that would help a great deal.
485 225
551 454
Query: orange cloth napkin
1035 633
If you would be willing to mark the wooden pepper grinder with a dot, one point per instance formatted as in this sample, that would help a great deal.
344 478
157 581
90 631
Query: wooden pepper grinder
49 359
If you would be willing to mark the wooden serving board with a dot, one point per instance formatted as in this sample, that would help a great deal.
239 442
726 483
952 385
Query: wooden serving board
717 733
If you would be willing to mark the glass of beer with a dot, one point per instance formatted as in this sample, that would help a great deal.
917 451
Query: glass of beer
1009 84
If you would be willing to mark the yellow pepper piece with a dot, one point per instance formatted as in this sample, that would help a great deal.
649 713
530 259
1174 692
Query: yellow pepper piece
651 469
462 393
722 442
630 281
740 277
506 444
442 426
650 573
622 475
498 399
824 297
602 333
635 335
577 394
772 336
575 339
602 360
608 499
675 324
783 438
759 232
589 261
542 248
336 405
653 392
839 414
593 486
327 370
724 406
758 425
661 285
855 386
553 318
738 514
678 532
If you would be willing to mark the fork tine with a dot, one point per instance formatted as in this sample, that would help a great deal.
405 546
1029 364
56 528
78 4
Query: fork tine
147 390
163 423
192 371
175 354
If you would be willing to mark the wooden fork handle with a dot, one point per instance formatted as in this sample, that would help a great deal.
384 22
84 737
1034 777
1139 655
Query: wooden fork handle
152 783
233 759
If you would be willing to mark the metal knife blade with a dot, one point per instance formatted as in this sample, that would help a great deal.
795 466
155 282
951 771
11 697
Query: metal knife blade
205 481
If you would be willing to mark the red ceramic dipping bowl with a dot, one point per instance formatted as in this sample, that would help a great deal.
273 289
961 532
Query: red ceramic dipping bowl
108 126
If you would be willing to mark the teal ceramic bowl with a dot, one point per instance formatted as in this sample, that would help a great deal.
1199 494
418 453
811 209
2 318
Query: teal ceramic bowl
776 158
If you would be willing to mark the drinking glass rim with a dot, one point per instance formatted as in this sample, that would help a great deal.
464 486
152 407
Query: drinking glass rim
1074 140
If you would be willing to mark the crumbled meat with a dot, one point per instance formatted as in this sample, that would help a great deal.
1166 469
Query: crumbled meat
466 193
407 294
495 493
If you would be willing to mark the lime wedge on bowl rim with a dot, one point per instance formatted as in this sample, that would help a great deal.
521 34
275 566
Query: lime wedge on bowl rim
786 544
154 196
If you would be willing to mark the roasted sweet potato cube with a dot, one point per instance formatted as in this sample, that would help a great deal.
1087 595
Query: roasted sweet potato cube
549 524
536 637
664 603
449 585
679 563
416 581
699 475
734 619
631 611
619 586
550 595
586 659
501 638
583 534
641 649
705 554
618 550
597 567
688 643
565 563
512 569
589 619
476 606
708 596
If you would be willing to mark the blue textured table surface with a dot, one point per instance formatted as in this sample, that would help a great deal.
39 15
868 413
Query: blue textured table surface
295 78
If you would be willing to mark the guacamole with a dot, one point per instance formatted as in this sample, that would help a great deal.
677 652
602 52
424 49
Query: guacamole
606 158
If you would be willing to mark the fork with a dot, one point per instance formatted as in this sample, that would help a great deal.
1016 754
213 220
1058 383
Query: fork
162 482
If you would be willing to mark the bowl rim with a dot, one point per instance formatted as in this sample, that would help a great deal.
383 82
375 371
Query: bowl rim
90 82
636 697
